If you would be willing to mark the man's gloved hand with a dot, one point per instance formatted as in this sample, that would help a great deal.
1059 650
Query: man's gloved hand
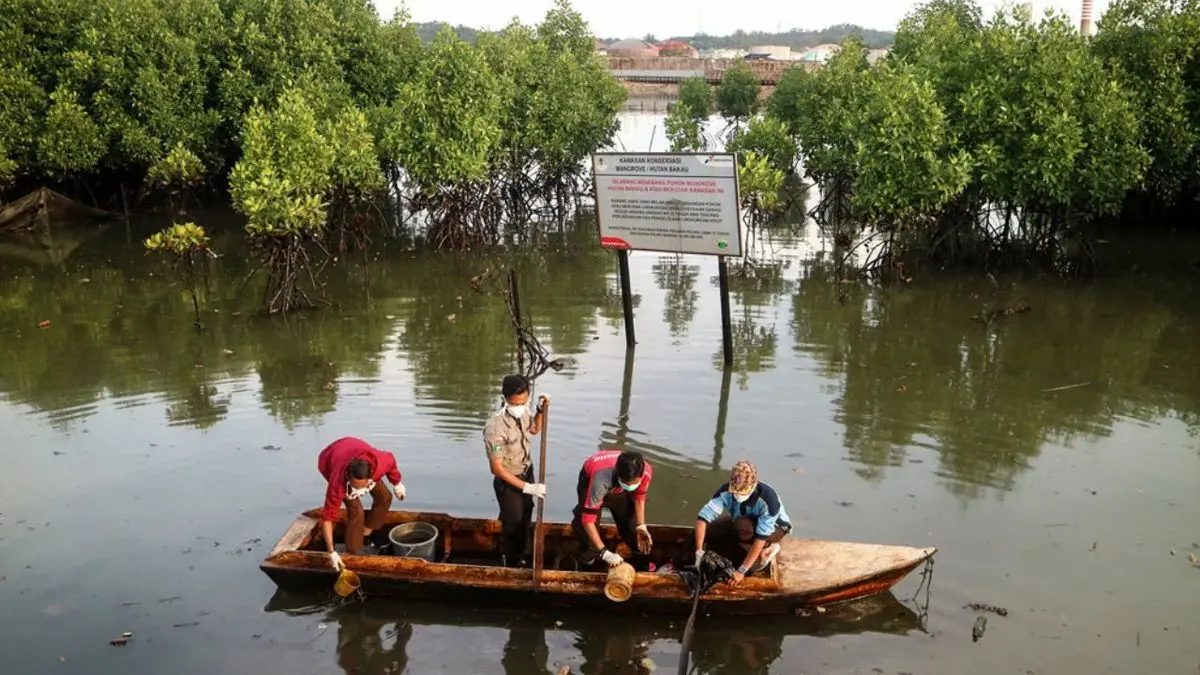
399 491
543 401
336 561
611 559
699 557
644 541
537 490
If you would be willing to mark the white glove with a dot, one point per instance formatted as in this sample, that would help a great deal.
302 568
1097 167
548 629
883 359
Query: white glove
399 491
537 490
611 558
649 540
699 556
336 561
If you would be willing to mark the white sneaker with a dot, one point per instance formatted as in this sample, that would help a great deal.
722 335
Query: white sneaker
767 557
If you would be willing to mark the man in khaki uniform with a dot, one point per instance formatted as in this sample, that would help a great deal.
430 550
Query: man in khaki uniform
506 438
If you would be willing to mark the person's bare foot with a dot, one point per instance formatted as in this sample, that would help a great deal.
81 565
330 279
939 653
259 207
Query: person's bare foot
367 532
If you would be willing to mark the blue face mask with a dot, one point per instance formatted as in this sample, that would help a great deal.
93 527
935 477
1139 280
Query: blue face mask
629 487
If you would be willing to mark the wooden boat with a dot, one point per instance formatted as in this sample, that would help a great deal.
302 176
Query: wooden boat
807 572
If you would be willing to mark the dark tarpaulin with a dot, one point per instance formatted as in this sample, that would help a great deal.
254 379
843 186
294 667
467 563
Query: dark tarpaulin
42 206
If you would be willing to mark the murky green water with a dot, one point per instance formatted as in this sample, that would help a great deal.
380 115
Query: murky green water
1052 456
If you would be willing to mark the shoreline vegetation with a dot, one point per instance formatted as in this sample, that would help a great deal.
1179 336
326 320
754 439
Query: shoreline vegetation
1005 143
980 144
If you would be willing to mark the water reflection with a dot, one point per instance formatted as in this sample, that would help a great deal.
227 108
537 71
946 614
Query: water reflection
118 328
381 635
722 417
907 367
678 280
755 288
914 369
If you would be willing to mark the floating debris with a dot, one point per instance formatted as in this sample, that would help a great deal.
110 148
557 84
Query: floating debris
979 628
123 640
982 607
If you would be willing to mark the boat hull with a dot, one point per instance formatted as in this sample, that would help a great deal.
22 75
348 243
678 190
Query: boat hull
807 573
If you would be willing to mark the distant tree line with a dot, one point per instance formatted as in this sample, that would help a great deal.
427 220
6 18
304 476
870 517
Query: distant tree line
428 30
795 38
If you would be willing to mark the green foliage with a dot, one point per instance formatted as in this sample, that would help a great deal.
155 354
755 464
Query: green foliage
180 239
759 182
72 142
355 165
906 170
791 98
8 168
963 120
737 95
179 168
285 170
768 138
448 128
696 97
1152 46
684 133
821 111
295 103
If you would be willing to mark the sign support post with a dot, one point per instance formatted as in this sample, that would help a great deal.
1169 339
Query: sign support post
726 322
626 297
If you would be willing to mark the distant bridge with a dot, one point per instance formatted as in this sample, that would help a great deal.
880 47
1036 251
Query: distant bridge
673 70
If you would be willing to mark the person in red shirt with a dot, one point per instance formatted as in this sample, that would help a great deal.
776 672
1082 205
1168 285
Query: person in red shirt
354 468
617 480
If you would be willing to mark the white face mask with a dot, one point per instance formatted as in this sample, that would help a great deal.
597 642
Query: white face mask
630 487
517 411
741 498
355 493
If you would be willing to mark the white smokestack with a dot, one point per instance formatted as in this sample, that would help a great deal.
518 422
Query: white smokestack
1085 18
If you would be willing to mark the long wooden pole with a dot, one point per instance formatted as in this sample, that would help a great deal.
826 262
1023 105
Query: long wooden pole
538 534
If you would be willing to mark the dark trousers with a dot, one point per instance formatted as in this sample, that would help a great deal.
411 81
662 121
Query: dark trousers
516 514
621 508
743 529
357 520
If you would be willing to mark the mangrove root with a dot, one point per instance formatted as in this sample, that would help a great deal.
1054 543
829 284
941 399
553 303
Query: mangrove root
988 317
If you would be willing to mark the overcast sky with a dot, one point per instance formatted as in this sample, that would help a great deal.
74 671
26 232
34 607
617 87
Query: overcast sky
635 18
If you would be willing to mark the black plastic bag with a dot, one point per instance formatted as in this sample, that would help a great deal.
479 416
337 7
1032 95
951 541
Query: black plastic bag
714 568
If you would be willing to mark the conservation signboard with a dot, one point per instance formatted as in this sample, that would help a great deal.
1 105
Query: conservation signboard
670 202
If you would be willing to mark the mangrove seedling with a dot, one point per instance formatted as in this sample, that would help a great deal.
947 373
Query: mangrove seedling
187 245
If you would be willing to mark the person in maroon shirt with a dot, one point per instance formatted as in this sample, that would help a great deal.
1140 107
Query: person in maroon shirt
355 468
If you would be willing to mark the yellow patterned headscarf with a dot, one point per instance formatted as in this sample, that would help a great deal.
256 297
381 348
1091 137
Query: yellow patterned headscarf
743 478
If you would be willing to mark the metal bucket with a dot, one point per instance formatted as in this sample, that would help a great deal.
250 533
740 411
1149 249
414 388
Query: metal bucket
414 540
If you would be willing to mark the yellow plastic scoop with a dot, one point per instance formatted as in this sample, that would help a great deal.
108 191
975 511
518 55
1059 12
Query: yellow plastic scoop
347 582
